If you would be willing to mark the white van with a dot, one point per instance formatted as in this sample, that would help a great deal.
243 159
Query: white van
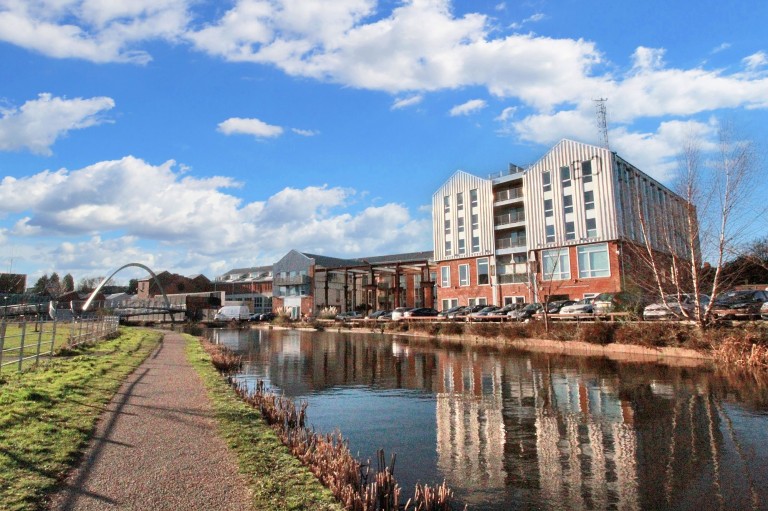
233 312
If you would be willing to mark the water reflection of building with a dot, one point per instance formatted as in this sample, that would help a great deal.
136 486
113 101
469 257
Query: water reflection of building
548 432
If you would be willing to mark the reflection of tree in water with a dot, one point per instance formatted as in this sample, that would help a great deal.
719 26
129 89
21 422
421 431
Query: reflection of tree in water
556 432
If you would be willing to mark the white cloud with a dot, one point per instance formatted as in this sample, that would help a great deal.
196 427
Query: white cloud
470 107
255 127
305 133
407 101
38 123
530 19
755 61
114 212
721 47
95 30
647 59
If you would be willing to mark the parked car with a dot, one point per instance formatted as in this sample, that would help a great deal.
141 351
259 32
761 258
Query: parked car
623 301
267 316
421 312
739 303
446 312
526 312
459 312
346 316
674 309
764 311
485 311
399 313
503 311
555 306
583 306
466 311
379 314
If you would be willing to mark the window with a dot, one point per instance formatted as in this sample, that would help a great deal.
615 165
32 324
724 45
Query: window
460 224
567 204
462 246
447 204
591 228
463 274
475 221
548 210
481 301
445 276
593 261
460 201
475 244
555 264
519 258
546 179
447 247
565 176
589 200
549 230
449 303
570 231
447 227
483 273
473 197
586 171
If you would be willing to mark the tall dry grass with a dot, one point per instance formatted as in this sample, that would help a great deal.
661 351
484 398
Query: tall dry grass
356 485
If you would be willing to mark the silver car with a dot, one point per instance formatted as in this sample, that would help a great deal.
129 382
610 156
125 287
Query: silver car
674 309
581 307
764 311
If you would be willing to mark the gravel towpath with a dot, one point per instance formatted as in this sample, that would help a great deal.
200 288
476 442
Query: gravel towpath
156 446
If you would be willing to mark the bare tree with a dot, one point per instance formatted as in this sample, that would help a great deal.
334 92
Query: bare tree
717 215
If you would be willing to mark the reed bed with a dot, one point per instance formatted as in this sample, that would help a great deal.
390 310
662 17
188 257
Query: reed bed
356 485
741 353
223 358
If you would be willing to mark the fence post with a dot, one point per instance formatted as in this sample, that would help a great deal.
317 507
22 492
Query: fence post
21 346
3 324
53 336
39 330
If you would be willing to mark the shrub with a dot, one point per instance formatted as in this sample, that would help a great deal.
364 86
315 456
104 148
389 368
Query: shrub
452 328
484 329
597 332
328 313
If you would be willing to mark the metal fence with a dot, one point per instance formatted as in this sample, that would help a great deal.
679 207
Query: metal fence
23 343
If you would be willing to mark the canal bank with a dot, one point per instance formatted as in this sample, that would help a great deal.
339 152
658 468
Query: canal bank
622 352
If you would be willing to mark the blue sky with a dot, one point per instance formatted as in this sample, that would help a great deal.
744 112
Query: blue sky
199 136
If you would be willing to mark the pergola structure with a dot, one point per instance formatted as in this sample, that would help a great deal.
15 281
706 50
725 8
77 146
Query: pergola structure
383 287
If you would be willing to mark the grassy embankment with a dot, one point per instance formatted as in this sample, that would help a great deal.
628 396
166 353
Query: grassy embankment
48 415
277 479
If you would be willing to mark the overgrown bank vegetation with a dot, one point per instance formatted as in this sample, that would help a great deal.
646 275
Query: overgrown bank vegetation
358 486
48 415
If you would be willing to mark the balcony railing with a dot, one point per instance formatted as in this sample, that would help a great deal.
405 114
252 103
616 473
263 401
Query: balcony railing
508 194
295 280
513 278
509 218
517 242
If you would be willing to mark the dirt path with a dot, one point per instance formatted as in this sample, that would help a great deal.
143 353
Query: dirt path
156 447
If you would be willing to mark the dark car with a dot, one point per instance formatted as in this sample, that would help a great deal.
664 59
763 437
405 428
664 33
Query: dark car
526 312
466 311
739 303
421 312
267 316
447 312
555 306
379 314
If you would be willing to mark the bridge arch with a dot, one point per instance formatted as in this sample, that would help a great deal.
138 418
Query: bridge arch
138 265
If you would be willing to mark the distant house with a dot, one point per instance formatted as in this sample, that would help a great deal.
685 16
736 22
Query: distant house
251 286
173 283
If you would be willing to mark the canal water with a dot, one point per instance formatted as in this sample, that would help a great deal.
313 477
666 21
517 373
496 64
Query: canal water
517 430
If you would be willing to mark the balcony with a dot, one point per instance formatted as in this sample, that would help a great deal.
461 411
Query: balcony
295 280
508 195
516 242
513 278
512 217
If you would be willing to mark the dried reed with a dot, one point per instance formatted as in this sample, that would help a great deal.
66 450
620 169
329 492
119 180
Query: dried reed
222 358
327 456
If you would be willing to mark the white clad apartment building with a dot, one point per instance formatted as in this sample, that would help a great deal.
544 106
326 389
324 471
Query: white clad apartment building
557 229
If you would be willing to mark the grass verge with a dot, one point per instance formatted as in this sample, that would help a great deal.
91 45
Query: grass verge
48 415
278 480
